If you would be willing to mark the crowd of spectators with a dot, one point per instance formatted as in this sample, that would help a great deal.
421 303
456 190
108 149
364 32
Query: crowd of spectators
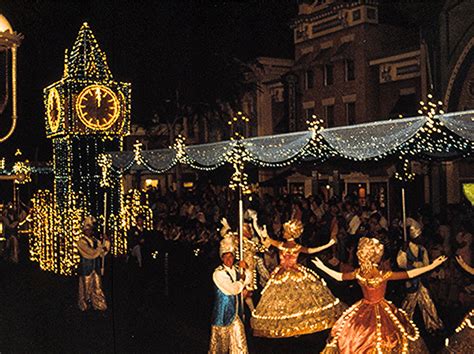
190 226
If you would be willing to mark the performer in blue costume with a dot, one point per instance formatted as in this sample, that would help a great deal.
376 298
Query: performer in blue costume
227 330
416 256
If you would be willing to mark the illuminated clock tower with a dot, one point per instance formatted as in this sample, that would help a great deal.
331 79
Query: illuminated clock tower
87 113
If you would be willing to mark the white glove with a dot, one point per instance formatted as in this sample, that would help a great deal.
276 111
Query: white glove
329 271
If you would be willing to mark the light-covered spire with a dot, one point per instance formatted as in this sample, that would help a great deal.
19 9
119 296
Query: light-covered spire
86 60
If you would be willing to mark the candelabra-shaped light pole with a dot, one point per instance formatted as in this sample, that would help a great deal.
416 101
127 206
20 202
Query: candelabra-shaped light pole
425 139
9 42
105 163
237 156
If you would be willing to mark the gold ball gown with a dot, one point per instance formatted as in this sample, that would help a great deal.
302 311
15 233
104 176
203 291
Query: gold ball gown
295 301
374 325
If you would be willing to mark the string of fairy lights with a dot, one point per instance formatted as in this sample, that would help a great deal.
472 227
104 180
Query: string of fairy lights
422 137
430 139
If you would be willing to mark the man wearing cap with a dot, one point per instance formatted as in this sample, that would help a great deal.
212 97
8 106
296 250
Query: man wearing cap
92 252
227 330
412 256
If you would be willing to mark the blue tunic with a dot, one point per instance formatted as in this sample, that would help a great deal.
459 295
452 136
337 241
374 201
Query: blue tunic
87 266
413 284
225 306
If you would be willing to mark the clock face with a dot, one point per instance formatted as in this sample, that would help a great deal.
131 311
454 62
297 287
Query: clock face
97 107
54 110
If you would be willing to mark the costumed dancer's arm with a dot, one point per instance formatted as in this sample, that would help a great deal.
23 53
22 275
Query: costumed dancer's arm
312 250
332 273
225 284
413 273
267 240
464 265
262 233
87 251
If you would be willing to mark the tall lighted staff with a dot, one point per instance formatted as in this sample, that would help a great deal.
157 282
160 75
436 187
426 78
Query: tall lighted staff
105 163
429 110
237 156
404 176
9 42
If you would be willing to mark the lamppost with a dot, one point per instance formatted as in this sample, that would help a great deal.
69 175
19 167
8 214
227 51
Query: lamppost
9 42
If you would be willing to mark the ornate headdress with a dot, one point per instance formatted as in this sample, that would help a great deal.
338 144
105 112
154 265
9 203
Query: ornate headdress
228 244
415 228
369 253
293 228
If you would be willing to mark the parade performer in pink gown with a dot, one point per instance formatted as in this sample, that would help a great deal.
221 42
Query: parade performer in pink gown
373 324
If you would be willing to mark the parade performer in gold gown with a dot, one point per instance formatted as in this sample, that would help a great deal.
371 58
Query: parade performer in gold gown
295 301
92 252
373 324
462 341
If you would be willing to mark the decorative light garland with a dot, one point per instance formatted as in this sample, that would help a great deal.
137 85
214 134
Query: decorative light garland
405 174
408 137
23 170
467 322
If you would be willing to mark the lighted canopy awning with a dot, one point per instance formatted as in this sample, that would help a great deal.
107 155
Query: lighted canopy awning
411 137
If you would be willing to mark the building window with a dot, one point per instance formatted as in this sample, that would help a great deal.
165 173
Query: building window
350 70
356 15
309 79
328 75
330 116
308 113
351 113
371 13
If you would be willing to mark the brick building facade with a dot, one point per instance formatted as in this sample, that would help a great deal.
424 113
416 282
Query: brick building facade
352 66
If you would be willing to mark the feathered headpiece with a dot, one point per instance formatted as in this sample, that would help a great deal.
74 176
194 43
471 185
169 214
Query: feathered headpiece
369 253
293 228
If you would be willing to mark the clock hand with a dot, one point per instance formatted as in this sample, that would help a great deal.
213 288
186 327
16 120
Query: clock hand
97 96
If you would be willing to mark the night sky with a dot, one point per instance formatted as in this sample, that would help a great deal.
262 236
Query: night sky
158 46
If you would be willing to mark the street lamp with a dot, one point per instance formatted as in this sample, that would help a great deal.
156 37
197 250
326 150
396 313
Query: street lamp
9 42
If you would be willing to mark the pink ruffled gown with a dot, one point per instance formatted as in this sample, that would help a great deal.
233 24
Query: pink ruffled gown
374 325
